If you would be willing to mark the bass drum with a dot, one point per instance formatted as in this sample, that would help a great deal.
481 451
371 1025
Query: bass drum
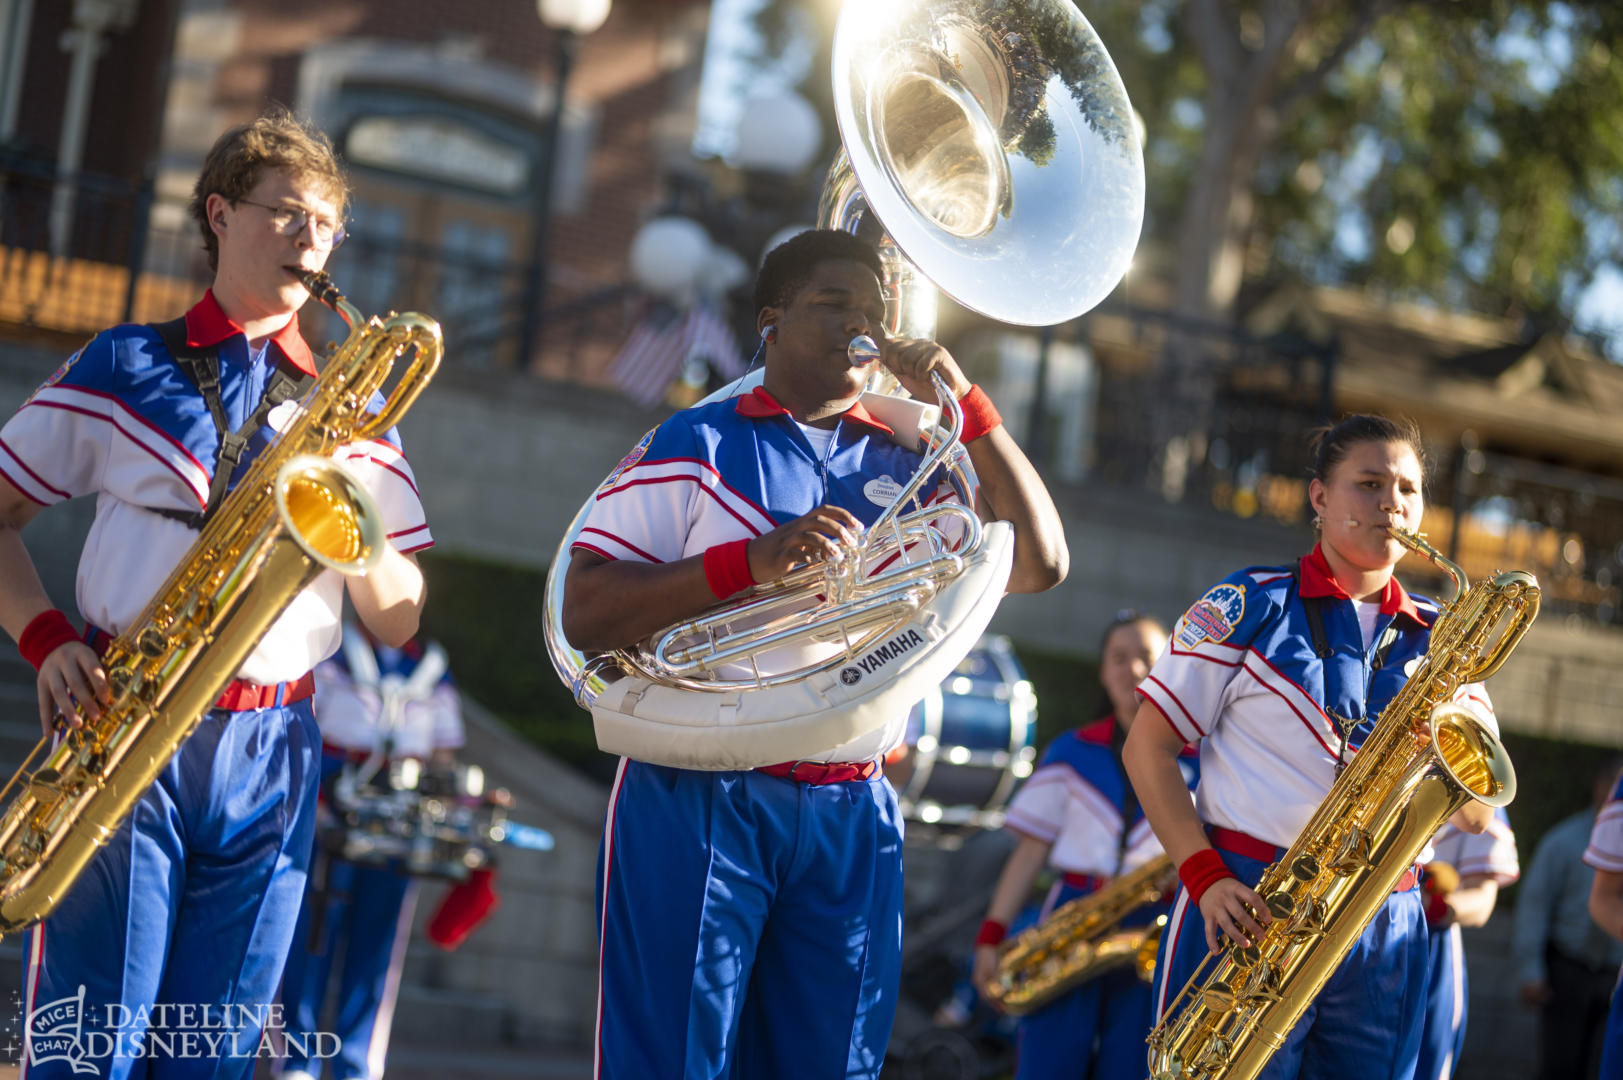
968 743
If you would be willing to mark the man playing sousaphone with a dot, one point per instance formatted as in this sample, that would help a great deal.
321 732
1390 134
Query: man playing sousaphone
751 919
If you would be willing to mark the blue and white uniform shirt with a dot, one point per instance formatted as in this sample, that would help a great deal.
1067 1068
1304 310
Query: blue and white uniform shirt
1075 799
1605 850
368 691
1491 852
122 420
1240 678
737 469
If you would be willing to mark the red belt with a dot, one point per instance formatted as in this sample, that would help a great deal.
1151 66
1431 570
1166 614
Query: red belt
822 772
239 694
1085 882
1239 843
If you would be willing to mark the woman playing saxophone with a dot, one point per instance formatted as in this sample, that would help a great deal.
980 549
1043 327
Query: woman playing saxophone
1077 813
1278 673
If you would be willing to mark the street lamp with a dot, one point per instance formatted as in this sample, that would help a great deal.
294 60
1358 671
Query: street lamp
570 18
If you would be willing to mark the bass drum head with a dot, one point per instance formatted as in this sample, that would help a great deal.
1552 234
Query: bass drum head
968 743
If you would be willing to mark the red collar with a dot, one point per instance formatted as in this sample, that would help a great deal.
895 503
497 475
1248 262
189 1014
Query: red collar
207 324
1099 732
759 404
1318 581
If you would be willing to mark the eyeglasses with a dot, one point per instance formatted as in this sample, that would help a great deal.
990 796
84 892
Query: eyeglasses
291 220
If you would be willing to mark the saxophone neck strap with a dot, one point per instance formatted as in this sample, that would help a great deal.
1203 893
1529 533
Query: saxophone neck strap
1129 798
1313 607
201 363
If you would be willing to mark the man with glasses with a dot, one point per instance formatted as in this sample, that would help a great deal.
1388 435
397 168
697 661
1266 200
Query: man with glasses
167 952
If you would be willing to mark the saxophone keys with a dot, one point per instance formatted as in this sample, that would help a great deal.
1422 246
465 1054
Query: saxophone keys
1304 867
1307 921
1352 854
1218 997
1280 904
152 643
1261 985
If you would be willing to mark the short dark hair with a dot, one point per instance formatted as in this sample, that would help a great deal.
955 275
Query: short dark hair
1332 444
276 140
789 266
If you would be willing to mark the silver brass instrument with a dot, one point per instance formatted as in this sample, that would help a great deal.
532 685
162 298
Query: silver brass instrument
996 144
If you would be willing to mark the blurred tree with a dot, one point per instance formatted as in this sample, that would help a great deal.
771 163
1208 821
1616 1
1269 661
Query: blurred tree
1469 153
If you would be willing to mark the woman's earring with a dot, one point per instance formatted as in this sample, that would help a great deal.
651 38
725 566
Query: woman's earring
1316 522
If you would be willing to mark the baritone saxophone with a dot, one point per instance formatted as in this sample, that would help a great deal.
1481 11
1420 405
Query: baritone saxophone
1082 940
1425 758
294 514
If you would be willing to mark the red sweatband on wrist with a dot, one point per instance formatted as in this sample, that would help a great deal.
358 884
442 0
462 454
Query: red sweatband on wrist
1201 871
992 933
980 415
727 568
41 637
1436 909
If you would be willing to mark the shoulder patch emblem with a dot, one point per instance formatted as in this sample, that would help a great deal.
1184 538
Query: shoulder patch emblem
1213 617
56 376
629 460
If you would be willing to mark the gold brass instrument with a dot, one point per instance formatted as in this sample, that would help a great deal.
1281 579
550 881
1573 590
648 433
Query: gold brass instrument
294 514
1425 758
1081 940
994 148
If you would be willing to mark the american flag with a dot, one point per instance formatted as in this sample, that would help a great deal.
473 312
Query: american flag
652 355
709 338
663 341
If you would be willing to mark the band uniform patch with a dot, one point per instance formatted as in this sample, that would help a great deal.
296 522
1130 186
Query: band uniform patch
1213 617
629 460
56 376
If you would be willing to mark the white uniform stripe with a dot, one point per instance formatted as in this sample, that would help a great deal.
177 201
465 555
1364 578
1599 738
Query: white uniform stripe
36 963
1456 960
603 918
1174 928
378 1048
137 429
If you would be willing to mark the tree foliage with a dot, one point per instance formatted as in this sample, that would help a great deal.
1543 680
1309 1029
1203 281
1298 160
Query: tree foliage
1469 152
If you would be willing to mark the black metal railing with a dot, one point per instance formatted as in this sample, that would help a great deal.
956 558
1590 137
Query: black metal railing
1250 456
81 252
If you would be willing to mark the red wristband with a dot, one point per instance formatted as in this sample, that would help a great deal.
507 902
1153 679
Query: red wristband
1201 871
727 568
980 415
1436 909
41 637
992 933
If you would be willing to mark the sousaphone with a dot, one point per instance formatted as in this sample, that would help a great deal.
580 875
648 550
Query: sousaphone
993 146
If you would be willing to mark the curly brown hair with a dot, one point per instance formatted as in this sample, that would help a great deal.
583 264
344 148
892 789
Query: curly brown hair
276 140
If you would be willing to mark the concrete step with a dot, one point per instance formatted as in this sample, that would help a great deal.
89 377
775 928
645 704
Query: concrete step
452 1020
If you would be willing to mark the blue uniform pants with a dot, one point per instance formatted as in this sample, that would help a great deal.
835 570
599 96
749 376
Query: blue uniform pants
1366 1022
751 926
1444 1036
1095 1031
369 910
163 959
1611 1054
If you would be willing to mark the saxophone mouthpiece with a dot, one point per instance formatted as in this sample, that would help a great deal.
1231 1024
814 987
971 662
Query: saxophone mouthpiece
320 286
863 350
